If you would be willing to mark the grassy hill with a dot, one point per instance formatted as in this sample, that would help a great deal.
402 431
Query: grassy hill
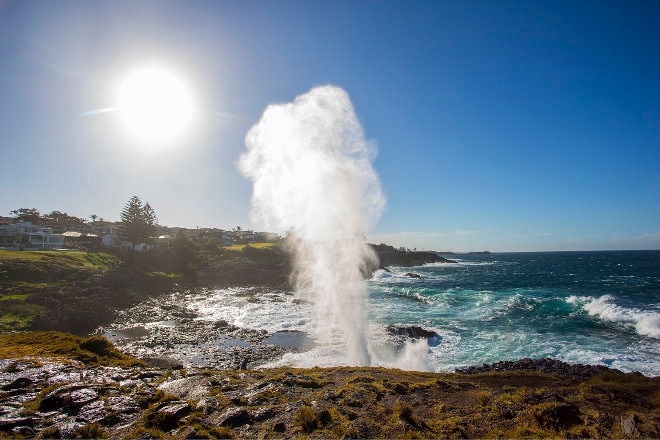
77 291
26 276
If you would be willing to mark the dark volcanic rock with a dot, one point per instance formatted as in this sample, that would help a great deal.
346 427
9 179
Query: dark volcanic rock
94 403
412 331
21 382
164 362
8 423
92 413
233 417
122 404
263 414
546 365
82 396
168 415
558 416
389 256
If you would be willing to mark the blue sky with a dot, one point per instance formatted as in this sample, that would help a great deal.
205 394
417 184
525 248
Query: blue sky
508 126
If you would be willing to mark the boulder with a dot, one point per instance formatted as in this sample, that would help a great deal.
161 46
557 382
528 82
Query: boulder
82 396
92 413
8 423
21 382
262 414
164 362
233 417
168 415
190 388
122 404
629 425
411 331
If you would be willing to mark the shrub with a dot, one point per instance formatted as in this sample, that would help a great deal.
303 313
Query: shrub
92 430
98 345
307 418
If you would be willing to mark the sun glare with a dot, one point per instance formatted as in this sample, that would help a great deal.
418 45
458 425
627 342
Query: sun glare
156 106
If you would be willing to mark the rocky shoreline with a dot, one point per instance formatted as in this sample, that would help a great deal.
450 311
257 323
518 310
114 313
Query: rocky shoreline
545 365
49 398
203 378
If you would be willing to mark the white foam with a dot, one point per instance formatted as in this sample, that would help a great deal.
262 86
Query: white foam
649 325
460 262
413 357
312 175
645 323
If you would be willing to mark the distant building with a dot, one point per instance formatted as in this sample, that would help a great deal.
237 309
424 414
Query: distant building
102 228
26 235
80 241
268 237
164 241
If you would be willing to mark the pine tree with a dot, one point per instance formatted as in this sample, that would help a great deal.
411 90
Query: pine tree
26 215
138 222
150 222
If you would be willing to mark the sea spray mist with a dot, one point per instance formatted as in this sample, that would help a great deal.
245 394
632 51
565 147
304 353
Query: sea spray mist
311 169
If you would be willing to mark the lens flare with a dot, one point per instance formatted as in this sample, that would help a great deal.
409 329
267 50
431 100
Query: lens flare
155 106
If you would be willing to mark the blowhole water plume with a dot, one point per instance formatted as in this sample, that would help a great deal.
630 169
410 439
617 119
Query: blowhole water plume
311 169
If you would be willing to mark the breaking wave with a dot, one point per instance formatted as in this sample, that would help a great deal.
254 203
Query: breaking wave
604 307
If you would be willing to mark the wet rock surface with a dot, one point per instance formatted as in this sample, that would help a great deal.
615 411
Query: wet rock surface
62 398
403 333
165 333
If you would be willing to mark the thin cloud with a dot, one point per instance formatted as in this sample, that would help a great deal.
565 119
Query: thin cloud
410 234
98 111
467 232
231 118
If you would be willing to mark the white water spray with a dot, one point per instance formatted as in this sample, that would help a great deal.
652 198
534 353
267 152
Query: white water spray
311 169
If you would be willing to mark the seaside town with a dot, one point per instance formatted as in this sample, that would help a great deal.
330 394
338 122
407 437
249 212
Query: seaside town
29 230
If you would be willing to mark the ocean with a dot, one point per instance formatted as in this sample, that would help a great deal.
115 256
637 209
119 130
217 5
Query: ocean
600 308
579 307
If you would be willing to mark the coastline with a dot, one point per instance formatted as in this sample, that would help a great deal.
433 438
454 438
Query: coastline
94 395
65 398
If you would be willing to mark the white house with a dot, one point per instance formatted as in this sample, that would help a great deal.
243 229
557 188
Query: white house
26 235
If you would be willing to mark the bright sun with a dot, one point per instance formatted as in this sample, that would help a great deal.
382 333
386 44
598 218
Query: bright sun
156 107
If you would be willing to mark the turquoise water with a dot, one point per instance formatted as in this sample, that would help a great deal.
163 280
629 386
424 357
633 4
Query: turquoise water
579 307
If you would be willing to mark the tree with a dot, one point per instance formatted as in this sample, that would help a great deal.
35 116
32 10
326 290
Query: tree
93 217
60 219
138 222
150 222
26 215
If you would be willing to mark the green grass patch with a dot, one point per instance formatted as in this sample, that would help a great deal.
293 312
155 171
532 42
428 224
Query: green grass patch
13 321
95 260
164 275
11 286
241 247
94 350
15 297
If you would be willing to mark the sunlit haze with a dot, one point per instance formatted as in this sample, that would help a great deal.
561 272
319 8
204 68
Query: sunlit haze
498 125
155 106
